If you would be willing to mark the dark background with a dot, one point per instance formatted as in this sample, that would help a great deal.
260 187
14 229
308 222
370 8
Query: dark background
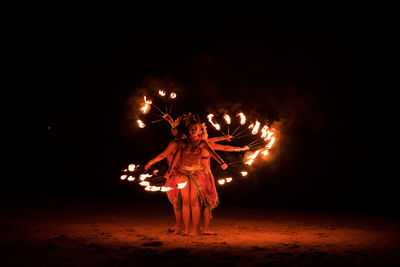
73 66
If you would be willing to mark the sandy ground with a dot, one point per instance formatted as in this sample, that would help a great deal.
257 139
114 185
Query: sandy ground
115 235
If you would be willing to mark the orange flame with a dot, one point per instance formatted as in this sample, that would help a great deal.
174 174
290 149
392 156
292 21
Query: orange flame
165 188
269 135
144 183
264 131
251 125
141 124
244 173
221 181
155 188
216 125
131 178
271 142
131 167
145 108
252 158
161 92
242 118
173 95
123 177
181 185
227 118
144 176
147 101
256 127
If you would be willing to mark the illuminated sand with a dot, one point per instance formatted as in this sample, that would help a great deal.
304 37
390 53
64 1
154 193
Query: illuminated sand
130 236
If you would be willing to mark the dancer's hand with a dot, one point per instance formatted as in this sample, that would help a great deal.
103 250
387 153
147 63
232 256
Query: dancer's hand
245 148
228 137
224 166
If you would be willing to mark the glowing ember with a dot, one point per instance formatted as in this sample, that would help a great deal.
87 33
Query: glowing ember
252 158
229 179
161 92
216 125
242 118
181 185
227 119
221 181
148 188
256 127
141 124
155 172
131 178
173 95
264 131
123 177
244 173
144 183
131 167
144 176
251 125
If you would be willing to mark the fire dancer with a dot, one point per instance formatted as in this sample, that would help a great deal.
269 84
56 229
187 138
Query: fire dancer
187 161
211 195
168 153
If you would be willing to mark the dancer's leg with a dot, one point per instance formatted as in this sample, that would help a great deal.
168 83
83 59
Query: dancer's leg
186 208
207 221
194 204
179 226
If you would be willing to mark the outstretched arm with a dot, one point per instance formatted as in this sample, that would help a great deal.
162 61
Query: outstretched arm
219 139
170 149
229 148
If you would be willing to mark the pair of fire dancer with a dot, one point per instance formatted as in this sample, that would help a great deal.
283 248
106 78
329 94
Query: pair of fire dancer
192 158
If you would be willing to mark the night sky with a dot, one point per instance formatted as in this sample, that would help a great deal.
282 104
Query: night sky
74 66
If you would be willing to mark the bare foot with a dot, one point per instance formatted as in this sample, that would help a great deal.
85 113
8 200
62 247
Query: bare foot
178 229
195 233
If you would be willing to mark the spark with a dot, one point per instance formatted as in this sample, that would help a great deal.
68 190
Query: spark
173 95
229 179
221 181
131 178
161 92
244 173
123 177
